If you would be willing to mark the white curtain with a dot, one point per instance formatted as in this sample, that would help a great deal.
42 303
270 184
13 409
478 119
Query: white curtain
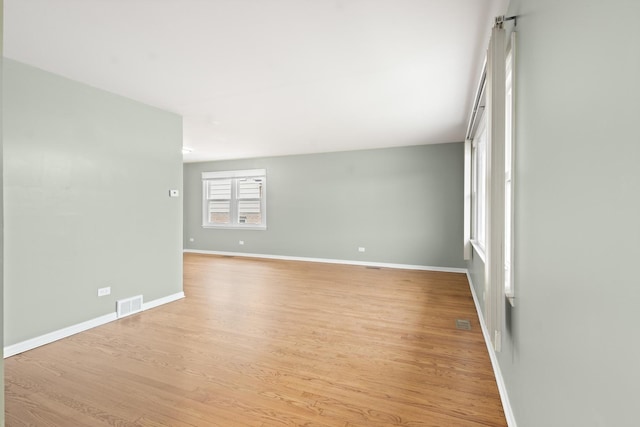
495 105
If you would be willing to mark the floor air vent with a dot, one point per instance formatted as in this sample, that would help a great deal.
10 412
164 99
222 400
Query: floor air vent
463 324
127 306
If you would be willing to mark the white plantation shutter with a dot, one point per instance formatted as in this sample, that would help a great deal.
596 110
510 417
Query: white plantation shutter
249 203
249 188
219 206
249 206
234 198
219 201
220 189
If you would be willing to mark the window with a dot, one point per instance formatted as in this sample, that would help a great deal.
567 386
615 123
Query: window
508 165
479 186
235 199
488 178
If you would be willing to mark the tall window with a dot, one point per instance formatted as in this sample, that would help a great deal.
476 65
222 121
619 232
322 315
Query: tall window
479 186
234 199
508 165
490 157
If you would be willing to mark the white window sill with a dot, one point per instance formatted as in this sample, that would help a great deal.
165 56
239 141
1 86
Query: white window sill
479 250
236 227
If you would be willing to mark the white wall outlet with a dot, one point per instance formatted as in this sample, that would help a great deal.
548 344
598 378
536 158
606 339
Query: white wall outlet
174 193
361 249
241 242
191 239
104 291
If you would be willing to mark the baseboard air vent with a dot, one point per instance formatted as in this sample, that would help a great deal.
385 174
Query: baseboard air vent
463 324
127 306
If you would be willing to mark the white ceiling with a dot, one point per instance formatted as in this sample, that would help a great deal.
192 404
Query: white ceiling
270 77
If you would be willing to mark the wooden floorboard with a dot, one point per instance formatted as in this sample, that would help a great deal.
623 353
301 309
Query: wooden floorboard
261 342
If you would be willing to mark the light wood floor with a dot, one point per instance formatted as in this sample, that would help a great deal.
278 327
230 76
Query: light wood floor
271 343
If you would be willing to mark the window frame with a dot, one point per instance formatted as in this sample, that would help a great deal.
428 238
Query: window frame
479 186
235 177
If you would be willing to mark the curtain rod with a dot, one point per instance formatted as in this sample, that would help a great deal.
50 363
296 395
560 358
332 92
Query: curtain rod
502 19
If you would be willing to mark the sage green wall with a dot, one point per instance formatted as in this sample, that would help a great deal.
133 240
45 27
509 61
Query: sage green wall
476 269
404 205
570 354
87 175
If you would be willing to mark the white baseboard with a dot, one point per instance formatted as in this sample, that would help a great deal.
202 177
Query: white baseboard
161 301
12 350
32 343
502 387
331 261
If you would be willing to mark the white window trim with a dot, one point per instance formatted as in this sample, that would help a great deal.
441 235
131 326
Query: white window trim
246 173
476 222
480 251
234 174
